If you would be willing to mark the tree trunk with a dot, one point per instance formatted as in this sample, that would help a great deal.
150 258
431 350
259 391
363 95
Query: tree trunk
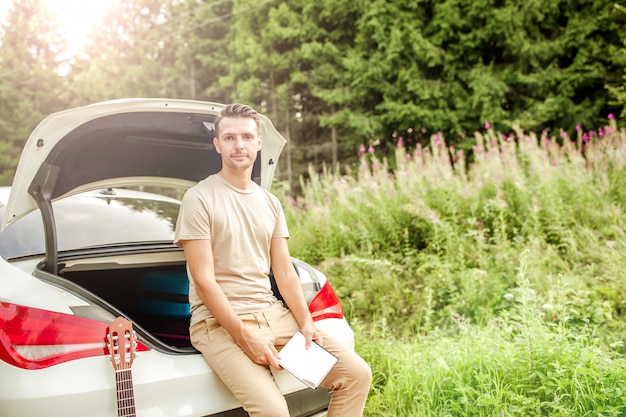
288 150
333 138
192 81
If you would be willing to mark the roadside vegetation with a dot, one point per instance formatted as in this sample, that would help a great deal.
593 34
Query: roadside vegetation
494 287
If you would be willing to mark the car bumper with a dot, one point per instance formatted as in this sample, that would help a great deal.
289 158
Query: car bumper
164 386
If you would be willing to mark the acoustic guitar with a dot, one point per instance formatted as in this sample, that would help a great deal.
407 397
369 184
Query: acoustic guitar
122 342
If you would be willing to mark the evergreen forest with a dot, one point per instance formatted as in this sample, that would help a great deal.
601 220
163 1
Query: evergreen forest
332 74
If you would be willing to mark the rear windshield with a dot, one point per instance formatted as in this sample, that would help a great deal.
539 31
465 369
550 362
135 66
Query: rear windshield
86 221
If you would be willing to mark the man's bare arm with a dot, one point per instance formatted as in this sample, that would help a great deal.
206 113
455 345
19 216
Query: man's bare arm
291 289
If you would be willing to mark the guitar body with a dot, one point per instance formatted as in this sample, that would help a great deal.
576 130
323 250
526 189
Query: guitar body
122 344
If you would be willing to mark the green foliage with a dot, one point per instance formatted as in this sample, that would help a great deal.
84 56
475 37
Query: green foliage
129 56
430 239
491 290
29 52
518 364
332 74
452 65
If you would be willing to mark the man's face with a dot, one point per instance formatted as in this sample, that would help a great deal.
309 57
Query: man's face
238 142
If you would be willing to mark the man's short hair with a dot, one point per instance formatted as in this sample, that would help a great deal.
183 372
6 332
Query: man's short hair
236 110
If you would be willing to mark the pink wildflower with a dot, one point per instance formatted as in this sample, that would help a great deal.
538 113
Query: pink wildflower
611 116
578 127
487 125
362 149
400 143
370 149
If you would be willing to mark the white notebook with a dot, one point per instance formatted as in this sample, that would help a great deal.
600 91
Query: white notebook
309 366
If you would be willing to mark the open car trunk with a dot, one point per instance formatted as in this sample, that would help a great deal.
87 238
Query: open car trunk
149 287
155 297
122 144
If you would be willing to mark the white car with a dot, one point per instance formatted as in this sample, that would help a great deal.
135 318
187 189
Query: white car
81 247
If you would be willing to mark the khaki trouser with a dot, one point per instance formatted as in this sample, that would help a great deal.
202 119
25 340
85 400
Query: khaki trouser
254 384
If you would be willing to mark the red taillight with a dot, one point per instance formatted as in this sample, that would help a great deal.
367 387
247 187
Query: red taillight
33 339
326 304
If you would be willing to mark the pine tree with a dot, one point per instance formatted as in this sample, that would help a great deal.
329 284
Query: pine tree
30 83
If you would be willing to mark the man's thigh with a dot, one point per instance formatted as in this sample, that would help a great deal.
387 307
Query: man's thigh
249 382
281 324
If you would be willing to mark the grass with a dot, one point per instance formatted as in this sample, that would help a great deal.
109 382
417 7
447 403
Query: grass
516 365
483 374
490 288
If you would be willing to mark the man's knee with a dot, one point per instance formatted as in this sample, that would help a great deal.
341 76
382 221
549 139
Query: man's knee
363 376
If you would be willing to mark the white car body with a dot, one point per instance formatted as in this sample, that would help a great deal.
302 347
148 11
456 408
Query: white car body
68 155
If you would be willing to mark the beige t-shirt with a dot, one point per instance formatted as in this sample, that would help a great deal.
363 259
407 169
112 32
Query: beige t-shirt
240 224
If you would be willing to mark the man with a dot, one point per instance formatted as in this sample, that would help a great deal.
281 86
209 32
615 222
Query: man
232 231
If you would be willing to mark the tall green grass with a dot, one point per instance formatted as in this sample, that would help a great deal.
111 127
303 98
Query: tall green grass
517 365
493 288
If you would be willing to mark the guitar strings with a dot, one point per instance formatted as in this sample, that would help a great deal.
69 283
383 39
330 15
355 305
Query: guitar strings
123 375
126 398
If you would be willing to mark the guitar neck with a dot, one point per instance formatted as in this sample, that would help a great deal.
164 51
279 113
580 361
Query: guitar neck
125 393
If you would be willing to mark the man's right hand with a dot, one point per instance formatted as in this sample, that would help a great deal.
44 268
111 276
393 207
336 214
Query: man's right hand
259 349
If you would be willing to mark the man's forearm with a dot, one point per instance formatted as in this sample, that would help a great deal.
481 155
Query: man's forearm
294 297
258 348
217 303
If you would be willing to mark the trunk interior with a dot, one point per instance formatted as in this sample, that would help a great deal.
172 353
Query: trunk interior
152 292
154 297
